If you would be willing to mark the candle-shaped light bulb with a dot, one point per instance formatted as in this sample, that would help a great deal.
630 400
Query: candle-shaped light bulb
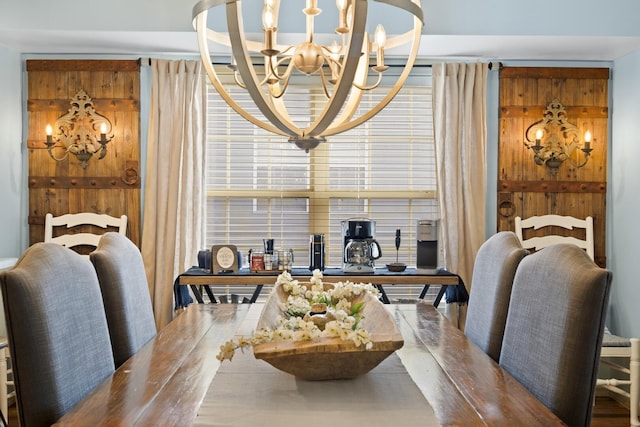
342 17
587 140
380 36
267 17
103 132
49 131
538 136
335 56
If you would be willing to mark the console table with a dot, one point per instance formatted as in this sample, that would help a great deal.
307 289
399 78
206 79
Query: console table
411 276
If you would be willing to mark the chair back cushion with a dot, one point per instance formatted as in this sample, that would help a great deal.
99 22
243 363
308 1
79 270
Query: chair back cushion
58 334
493 271
125 292
554 329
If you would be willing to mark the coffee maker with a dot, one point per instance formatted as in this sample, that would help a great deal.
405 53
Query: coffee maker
360 247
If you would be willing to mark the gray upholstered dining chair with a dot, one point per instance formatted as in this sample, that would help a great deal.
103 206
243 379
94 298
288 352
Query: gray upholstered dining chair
125 292
493 271
58 333
554 329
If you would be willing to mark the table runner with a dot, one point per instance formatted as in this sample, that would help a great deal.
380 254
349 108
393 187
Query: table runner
250 392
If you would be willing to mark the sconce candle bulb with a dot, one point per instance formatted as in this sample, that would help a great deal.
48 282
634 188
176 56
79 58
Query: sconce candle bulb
49 132
587 140
539 135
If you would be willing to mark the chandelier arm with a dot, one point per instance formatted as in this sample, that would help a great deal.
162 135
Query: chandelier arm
323 80
285 79
273 71
237 80
344 126
202 33
373 86
285 85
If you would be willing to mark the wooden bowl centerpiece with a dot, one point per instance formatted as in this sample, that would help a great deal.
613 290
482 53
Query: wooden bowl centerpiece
329 357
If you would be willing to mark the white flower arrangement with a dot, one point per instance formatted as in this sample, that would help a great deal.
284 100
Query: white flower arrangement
296 325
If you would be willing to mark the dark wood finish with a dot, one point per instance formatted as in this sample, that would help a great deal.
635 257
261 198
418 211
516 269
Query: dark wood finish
261 279
606 413
110 185
83 65
492 393
552 186
85 181
165 382
381 278
556 73
526 189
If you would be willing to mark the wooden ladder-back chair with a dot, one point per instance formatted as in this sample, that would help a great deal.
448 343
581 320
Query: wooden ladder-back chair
567 222
69 221
613 346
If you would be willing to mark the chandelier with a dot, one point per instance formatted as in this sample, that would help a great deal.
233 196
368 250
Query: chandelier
343 68
554 139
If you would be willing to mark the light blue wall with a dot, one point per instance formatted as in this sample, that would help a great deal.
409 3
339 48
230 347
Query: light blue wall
623 230
455 17
488 17
13 190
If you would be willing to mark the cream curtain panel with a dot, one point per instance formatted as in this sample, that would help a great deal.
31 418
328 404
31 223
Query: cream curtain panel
459 116
174 202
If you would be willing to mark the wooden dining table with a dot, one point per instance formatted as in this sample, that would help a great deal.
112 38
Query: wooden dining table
166 382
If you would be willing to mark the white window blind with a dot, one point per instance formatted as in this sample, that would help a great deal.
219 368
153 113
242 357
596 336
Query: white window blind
261 186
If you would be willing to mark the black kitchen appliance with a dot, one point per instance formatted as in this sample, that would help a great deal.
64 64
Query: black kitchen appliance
316 252
427 246
360 247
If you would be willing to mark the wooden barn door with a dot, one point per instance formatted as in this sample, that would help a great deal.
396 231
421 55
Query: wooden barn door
525 188
110 185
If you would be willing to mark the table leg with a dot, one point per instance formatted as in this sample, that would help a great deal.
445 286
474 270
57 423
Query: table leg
383 295
256 293
212 297
436 301
425 289
197 294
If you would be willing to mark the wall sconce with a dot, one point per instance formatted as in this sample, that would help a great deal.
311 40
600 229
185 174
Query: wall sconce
554 140
77 131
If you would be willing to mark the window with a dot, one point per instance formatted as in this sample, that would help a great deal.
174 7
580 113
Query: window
261 186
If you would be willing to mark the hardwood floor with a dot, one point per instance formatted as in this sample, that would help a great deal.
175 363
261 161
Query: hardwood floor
607 413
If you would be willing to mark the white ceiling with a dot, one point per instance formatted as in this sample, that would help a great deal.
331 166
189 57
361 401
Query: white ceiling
575 30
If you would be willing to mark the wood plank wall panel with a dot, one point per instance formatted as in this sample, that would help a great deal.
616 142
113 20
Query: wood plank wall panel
526 189
110 185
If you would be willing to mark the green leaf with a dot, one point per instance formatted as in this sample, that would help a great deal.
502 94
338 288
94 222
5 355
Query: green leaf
356 308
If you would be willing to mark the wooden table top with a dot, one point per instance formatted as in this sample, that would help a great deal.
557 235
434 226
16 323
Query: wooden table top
382 276
165 382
